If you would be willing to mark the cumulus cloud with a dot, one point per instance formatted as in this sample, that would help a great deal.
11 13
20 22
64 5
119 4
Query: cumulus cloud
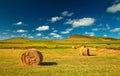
81 22
114 8
42 28
21 31
98 29
115 30
67 13
55 35
54 19
55 30
67 31
24 35
18 23
4 33
38 34
90 33
107 27
12 35
105 35
95 29
31 37
46 37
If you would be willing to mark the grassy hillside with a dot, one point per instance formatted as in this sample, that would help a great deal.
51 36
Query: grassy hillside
77 40
92 41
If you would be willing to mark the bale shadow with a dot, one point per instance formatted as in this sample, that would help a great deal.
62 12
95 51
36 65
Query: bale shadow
48 63
92 55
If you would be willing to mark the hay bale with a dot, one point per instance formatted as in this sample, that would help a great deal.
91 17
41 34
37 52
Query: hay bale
32 57
74 47
84 51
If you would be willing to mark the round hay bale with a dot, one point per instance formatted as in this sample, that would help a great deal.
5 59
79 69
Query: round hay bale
84 51
74 47
32 57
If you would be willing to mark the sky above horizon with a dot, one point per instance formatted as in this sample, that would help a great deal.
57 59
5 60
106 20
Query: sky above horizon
58 19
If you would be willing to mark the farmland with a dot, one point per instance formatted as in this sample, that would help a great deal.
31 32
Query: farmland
60 59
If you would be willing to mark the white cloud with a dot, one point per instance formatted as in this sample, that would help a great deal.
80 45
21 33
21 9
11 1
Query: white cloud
98 29
67 31
105 35
55 35
21 30
23 35
54 19
107 26
66 13
42 28
4 33
115 30
26 36
31 37
95 29
55 30
46 37
12 35
38 34
114 8
18 23
100 25
90 33
81 22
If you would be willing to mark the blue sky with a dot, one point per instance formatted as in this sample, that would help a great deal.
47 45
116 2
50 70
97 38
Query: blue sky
58 19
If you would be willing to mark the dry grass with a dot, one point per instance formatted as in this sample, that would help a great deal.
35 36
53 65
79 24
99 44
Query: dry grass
61 62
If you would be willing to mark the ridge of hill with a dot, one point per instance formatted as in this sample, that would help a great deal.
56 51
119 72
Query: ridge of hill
76 38
90 37
16 40
73 37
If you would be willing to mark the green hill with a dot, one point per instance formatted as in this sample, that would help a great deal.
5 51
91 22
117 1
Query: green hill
74 39
16 40
88 39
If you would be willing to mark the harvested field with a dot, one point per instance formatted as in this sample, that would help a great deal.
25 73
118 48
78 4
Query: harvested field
57 62
62 61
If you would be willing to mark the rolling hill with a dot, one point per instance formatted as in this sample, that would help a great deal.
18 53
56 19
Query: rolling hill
74 39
